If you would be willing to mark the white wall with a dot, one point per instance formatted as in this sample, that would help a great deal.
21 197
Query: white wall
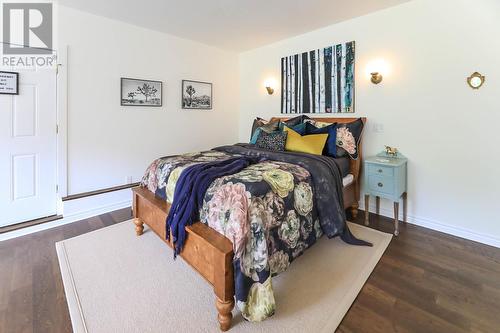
448 131
107 142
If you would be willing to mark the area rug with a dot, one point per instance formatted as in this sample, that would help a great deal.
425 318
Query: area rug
118 282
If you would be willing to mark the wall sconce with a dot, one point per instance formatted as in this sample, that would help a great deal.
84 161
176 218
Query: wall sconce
476 80
270 84
376 77
377 69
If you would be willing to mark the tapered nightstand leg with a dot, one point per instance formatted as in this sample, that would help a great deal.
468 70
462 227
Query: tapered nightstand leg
367 209
405 206
396 218
377 201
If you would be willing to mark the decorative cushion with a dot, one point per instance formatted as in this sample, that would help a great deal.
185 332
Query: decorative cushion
255 135
272 141
267 127
317 124
299 128
271 126
257 122
331 143
296 120
348 137
312 144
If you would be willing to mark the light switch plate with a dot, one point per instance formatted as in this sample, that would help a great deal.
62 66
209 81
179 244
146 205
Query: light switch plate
378 128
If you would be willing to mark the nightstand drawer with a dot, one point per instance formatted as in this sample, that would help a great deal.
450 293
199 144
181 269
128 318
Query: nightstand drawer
381 184
374 169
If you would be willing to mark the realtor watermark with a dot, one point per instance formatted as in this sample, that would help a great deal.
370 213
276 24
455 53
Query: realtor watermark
27 34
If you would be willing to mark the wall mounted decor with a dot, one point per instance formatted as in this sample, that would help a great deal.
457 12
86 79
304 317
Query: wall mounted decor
476 80
137 92
196 95
377 70
319 81
376 77
9 83
270 85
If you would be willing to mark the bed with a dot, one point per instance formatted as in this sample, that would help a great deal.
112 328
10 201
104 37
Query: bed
215 252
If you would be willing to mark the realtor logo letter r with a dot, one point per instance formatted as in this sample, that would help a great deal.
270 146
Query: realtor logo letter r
27 28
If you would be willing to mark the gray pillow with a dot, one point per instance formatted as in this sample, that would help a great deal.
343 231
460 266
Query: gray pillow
271 127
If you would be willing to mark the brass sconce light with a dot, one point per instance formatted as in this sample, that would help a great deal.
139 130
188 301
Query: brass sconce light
476 80
376 77
376 69
270 84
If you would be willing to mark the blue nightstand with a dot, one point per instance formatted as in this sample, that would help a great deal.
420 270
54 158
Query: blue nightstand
386 177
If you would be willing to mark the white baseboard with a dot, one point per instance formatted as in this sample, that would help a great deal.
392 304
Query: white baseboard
79 209
439 226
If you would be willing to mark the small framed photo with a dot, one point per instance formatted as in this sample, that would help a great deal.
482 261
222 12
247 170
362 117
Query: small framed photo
196 95
137 92
9 83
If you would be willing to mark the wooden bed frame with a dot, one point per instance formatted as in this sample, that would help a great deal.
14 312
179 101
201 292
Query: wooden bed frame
209 252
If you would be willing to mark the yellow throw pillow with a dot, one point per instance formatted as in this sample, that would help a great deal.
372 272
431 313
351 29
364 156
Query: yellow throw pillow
312 144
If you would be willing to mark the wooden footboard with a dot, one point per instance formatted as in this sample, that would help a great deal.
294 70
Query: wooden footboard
206 250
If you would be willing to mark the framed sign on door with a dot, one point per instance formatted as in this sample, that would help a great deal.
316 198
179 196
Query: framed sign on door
9 83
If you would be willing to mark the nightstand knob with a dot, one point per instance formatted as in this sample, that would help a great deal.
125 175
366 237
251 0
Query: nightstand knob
380 185
380 170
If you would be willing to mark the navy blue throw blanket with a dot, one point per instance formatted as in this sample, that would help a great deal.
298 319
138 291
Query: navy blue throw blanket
190 190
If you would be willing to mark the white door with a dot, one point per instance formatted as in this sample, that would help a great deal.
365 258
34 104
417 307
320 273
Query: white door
28 149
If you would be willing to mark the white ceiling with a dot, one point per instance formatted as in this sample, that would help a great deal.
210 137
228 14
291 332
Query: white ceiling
232 24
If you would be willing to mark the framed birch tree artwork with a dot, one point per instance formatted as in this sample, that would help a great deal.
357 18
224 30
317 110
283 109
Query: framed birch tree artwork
319 81
136 92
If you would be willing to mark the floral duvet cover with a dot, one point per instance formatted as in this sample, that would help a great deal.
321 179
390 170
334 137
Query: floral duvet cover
268 211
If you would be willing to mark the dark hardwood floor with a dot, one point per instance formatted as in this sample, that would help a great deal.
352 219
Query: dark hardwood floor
425 282
31 290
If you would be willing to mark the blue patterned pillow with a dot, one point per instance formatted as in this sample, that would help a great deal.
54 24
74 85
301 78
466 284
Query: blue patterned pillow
272 141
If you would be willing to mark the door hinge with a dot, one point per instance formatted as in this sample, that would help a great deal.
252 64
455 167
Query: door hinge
57 129
57 188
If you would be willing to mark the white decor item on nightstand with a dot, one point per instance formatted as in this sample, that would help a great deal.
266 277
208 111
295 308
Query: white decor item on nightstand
386 177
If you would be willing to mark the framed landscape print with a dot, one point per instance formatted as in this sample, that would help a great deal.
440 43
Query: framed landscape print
196 95
136 92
